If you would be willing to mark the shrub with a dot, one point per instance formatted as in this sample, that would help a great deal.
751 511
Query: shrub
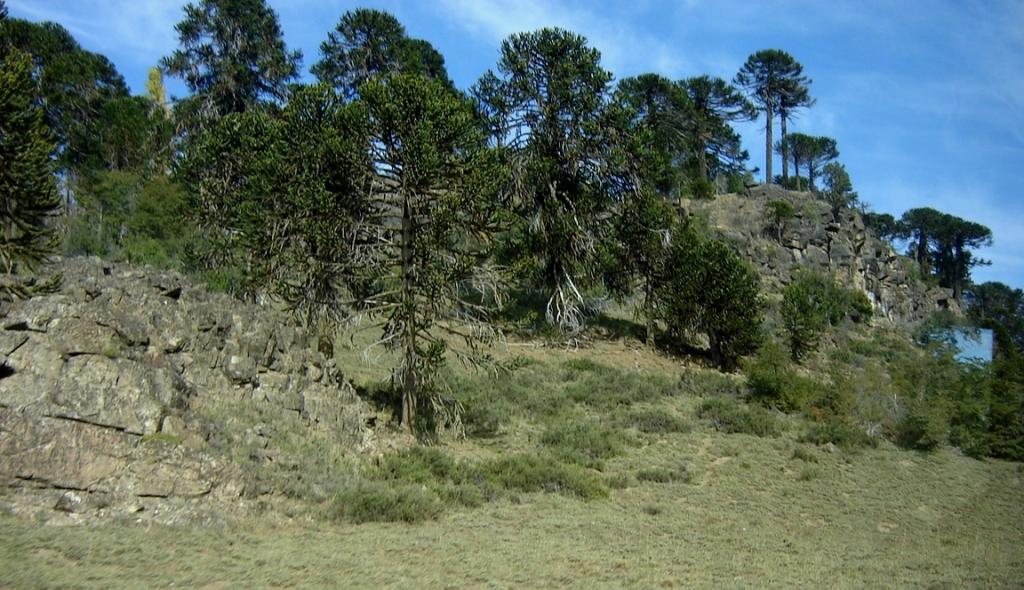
654 421
708 289
665 475
772 381
924 427
379 502
841 434
583 443
729 416
777 214
421 465
702 188
604 387
805 455
811 303
536 473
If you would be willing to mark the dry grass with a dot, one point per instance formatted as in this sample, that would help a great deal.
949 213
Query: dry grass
751 512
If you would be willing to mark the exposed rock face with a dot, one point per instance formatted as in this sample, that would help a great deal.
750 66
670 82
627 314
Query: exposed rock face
813 240
103 388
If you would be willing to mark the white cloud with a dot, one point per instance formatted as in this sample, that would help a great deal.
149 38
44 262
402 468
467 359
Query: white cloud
145 26
625 50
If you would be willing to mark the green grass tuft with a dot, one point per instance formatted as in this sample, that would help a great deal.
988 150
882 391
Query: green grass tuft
729 416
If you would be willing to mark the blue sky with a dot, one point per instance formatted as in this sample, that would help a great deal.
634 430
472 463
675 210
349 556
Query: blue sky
926 98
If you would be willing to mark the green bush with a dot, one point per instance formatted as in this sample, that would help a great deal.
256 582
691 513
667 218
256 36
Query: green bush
665 475
702 188
602 387
710 290
924 427
772 381
421 465
539 473
841 434
583 443
380 502
729 416
654 421
812 303
777 214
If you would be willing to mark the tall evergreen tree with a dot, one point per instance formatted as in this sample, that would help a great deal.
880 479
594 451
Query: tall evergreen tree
769 77
920 226
999 307
367 43
546 107
820 151
952 256
713 104
659 112
838 190
71 84
28 194
156 91
232 56
433 193
795 95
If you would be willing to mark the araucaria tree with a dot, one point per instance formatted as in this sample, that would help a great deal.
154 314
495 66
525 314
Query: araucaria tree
28 194
546 108
795 95
367 43
707 289
713 104
432 196
232 56
772 79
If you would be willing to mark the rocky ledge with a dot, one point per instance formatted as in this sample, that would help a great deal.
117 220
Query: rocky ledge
107 387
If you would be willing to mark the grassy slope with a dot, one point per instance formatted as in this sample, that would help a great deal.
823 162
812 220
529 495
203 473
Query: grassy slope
756 512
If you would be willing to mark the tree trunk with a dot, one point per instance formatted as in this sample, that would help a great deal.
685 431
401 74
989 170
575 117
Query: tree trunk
409 371
648 315
702 163
922 253
769 115
796 170
785 149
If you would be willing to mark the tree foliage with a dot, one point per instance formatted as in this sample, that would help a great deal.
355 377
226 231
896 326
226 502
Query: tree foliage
838 190
659 109
773 80
546 107
713 104
367 43
778 213
942 243
433 193
811 303
28 194
707 289
72 86
1000 308
232 57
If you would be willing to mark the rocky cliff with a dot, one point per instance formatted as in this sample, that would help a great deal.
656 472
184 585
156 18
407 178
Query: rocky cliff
816 241
122 394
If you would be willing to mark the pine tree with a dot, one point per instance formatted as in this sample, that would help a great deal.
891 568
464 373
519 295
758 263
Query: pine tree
232 56
28 192
546 108
367 43
773 80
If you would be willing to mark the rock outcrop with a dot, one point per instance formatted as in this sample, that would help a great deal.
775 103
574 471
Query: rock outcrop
816 241
111 388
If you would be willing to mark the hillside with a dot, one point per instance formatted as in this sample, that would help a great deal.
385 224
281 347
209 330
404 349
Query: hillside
132 397
812 240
